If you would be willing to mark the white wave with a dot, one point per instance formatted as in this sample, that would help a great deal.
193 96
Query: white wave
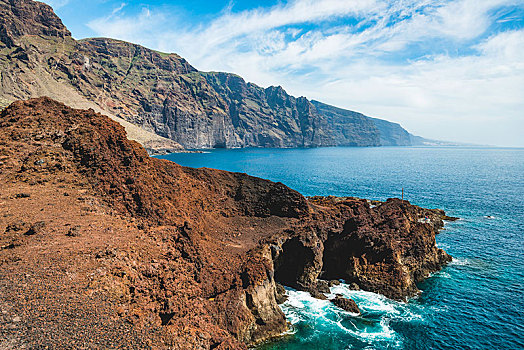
443 274
443 246
459 261
372 325
366 301
299 305
439 274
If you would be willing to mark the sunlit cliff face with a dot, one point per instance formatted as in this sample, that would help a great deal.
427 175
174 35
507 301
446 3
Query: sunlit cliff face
447 70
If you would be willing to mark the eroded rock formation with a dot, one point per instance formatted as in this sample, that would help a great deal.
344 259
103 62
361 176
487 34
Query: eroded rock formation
173 257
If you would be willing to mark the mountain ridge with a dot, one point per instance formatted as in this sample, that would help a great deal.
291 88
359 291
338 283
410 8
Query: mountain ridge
164 95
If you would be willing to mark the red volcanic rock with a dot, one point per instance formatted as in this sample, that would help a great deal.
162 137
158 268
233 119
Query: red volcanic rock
169 256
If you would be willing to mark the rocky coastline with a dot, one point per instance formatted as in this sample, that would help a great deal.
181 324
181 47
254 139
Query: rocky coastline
174 257
162 98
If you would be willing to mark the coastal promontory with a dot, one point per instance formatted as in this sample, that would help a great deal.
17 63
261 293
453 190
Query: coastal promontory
104 246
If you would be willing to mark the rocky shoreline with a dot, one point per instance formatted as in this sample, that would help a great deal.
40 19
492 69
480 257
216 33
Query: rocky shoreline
174 257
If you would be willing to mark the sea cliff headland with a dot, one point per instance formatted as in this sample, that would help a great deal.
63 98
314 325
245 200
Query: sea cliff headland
102 245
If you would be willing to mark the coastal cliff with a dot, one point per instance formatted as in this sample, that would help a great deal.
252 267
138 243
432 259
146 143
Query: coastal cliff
38 57
100 241
162 100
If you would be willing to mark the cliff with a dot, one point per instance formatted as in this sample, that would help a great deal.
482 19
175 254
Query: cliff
103 246
350 128
38 57
21 18
160 97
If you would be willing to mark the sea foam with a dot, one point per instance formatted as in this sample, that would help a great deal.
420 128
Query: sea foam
374 324
460 261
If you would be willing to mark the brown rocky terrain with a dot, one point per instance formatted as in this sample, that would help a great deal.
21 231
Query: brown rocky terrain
161 96
102 246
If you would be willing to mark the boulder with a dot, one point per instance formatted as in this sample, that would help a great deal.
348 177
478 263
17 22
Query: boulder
35 228
354 286
346 304
316 294
323 286
334 283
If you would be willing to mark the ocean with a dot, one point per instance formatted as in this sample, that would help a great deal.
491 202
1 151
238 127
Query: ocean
475 302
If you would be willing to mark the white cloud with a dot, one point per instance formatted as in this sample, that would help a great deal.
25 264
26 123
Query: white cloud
369 65
56 4
117 25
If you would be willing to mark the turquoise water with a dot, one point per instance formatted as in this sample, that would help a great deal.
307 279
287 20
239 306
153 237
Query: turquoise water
476 302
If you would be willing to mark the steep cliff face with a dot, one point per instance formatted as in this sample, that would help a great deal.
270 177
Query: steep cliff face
38 57
350 128
21 17
163 94
392 134
269 117
173 257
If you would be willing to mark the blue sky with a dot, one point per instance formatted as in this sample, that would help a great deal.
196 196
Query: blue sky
450 70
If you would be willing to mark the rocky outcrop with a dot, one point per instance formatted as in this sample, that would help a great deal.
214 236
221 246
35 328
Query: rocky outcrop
191 258
346 304
385 249
166 96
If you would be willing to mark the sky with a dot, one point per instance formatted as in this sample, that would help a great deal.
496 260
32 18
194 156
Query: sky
449 69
